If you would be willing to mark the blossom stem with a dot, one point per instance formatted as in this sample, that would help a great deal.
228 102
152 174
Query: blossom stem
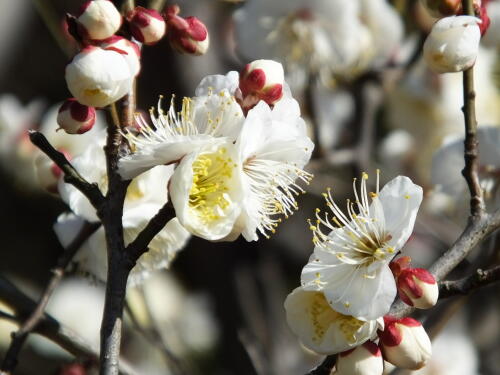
470 171
71 175
18 338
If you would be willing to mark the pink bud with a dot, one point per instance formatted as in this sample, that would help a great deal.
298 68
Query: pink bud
482 13
73 369
262 80
75 118
365 359
130 51
186 35
146 25
405 343
399 265
417 287
98 19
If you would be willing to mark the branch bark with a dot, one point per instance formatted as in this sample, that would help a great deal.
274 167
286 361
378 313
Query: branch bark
470 171
467 284
71 175
18 338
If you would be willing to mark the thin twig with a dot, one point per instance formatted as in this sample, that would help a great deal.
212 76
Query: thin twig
470 283
71 175
49 327
474 233
140 245
470 171
18 338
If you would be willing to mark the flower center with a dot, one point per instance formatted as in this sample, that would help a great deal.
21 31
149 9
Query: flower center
208 197
323 316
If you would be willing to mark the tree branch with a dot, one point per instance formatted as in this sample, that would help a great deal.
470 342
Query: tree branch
71 175
140 245
470 171
50 327
474 233
18 338
467 284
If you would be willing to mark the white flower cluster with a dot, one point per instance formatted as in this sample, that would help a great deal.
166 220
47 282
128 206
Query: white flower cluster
348 285
237 170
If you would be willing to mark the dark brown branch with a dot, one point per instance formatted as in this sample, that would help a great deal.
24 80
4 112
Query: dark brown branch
71 175
140 245
470 171
467 284
318 151
50 327
18 338
475 232
325 367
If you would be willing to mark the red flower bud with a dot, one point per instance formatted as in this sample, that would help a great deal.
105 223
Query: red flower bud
75 118
418 288
261 80
186 35
146 25
405 343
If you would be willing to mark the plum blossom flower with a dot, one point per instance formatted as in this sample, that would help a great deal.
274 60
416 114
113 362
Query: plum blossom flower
350 264
321 328
235 174
453 44
145 196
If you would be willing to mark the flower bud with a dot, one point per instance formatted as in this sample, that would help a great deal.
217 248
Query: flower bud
73 369
262 80
186 35
99 19
417 287
75 118
97 77
405 343
130 51
366 359
47 172
452 44
146 25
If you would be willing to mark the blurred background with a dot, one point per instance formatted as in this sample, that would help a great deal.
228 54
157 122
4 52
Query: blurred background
219 308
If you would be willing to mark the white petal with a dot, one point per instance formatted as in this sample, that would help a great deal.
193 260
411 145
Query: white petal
67 227
216 83
400 199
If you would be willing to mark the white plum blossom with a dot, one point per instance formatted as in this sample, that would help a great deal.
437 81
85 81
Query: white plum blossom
321 328
98 77
453 44
236 174
145 196
319 36
448 162
350 264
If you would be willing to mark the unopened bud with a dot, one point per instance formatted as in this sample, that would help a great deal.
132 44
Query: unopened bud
366 359
186 35
130 51
99 19
452 44
146 25
418 288
98 77
405 343
262 80
73 369
75 118
47 172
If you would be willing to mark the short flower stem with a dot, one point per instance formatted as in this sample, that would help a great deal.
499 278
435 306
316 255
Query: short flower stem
470 171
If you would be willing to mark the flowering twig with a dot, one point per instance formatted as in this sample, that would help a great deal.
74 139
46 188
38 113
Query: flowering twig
18 338
474 233
71 175
49 327
470 171
467 284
